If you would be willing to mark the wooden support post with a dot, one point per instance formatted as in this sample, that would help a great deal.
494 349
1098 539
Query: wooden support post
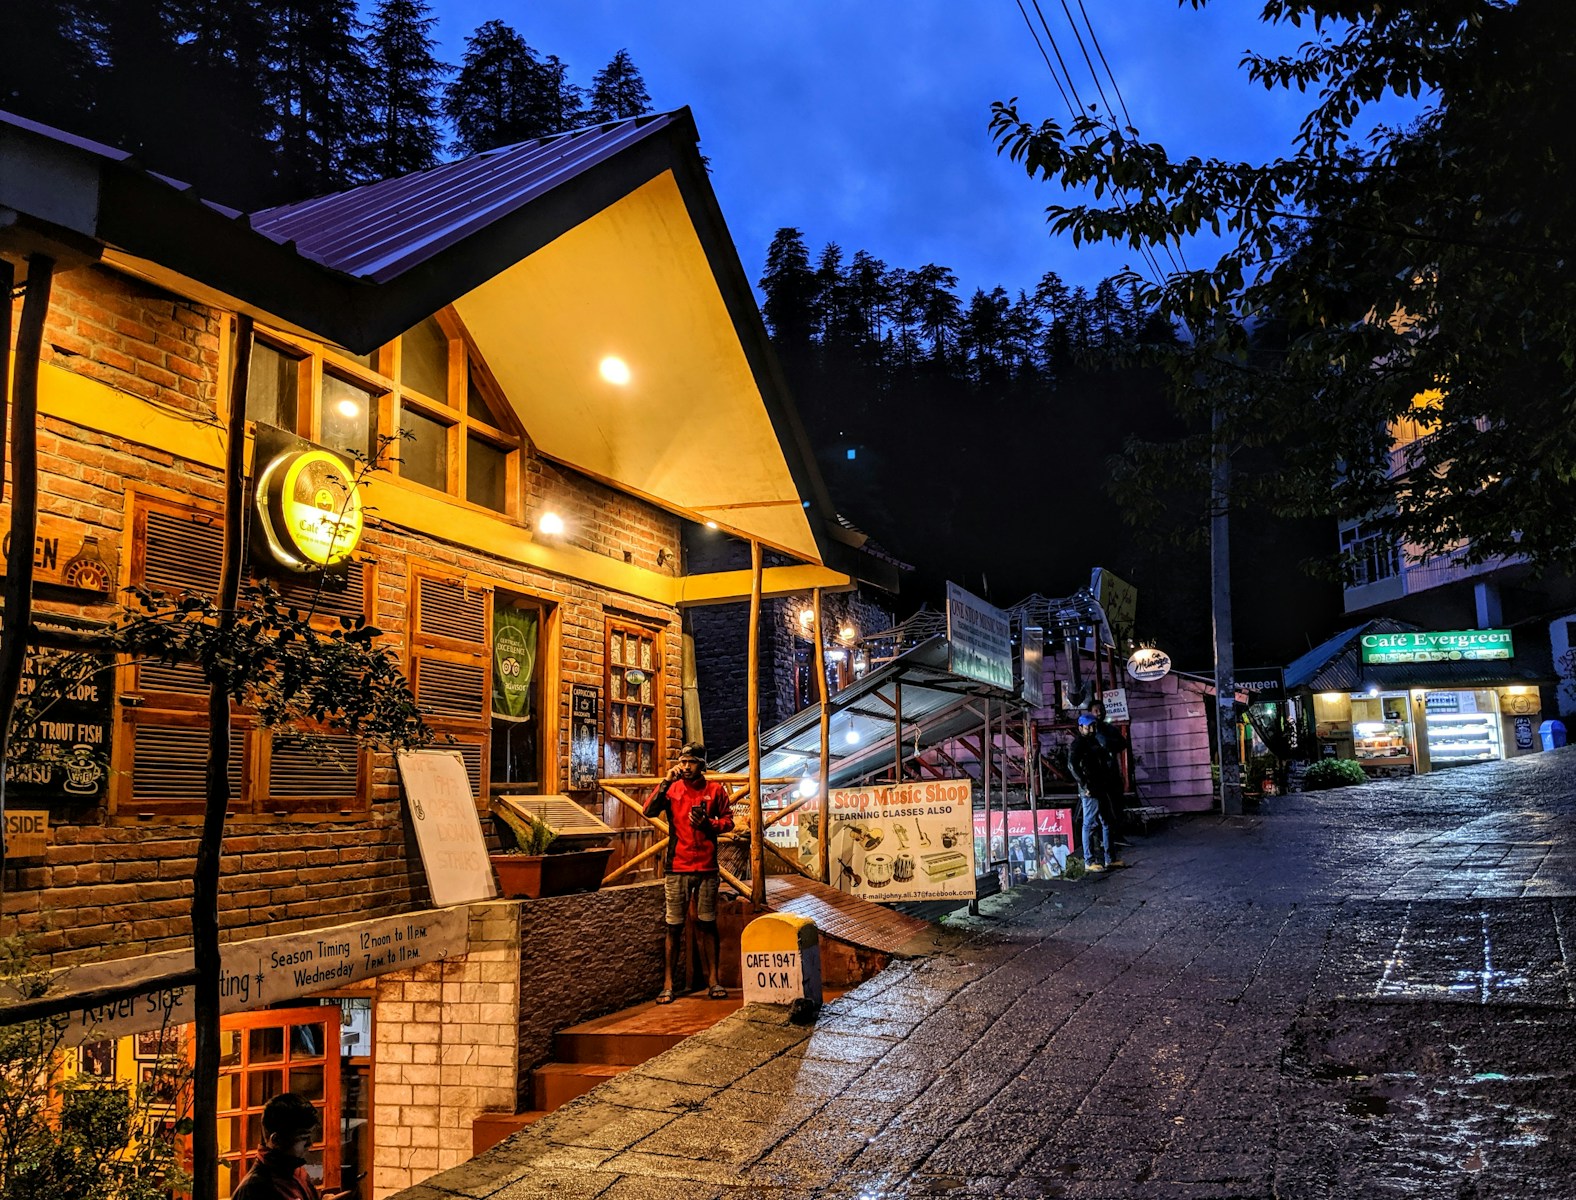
1031 784
823 779
757 851
7 283
897 728
18 589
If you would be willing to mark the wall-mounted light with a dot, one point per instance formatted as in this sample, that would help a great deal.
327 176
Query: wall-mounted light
806 617
349 409
550 523
615 370
848 633
711 524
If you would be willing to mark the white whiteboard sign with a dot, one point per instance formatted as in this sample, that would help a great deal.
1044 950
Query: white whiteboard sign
442 811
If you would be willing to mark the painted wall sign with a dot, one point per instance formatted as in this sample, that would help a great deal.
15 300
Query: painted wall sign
979 638
308 507
67 554
1149 663
263 971
910 841
442 811
1264 685
1523 737
585 708
26 833
63 755
1452 645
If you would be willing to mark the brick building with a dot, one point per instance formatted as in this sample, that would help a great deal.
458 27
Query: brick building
563 334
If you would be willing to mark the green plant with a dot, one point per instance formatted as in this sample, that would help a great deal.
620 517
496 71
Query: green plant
531 834
71 1137
1334 773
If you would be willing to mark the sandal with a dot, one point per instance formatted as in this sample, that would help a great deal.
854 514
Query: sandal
665 996
717 992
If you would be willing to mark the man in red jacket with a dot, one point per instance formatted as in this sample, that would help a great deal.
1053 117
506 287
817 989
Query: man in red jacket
289 1129
698 814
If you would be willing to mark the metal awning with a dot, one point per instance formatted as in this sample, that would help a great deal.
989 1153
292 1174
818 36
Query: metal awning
937 706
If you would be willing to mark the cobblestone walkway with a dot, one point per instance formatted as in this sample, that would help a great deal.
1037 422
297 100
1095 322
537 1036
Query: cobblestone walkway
1365 993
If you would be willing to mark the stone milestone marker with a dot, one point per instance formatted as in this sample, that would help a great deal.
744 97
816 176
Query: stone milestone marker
782 961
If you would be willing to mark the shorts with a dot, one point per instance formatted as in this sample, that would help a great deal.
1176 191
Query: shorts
676 889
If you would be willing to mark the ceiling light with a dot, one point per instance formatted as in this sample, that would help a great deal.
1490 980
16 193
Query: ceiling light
349 408
808 787
551 524
615 370
711 524
852 737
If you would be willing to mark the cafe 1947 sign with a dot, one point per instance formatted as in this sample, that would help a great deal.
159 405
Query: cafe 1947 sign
1455 645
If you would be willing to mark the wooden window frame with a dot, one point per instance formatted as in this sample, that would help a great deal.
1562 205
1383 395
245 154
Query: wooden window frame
614 622
318 359
138 706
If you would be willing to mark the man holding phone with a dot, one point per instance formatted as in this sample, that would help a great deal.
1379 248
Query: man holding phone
698 812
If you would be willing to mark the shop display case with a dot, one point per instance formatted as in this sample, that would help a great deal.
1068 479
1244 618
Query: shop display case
1455 738
1380 740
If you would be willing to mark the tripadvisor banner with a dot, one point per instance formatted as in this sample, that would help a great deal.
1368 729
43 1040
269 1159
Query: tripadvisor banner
514 662
910 841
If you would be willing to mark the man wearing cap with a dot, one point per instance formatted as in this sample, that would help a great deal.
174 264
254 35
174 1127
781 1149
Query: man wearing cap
698 814
1098 776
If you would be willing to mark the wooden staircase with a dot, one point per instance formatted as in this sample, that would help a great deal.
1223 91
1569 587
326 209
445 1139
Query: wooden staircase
595 1051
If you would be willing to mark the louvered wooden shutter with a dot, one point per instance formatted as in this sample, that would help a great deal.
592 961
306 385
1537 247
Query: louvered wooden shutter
338 596
184 553
319 769
451 665
169 765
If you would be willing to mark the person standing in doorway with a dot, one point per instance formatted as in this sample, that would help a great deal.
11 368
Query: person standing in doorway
698 812
279 1172
1095 771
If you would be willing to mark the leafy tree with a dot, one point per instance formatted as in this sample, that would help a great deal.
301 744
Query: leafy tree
1418 278
618 91
405 79
493 99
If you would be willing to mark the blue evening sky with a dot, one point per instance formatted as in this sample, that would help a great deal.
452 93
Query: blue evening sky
865 122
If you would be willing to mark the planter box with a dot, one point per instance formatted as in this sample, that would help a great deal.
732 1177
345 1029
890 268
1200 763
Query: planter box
531 876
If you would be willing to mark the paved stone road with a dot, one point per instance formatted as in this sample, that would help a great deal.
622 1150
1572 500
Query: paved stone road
1366 993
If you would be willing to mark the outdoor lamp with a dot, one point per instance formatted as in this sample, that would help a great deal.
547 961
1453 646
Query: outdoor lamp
550 523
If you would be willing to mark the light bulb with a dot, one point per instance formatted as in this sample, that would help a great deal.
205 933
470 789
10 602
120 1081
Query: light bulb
615 370
551 524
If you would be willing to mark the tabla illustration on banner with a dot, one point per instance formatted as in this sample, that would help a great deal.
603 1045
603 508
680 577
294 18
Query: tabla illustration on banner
911 841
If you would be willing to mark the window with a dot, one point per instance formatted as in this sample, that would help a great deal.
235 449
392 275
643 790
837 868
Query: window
163 754
1370 556
634 677
450 670
456 435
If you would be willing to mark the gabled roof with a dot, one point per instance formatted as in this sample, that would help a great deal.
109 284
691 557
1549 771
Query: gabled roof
555 253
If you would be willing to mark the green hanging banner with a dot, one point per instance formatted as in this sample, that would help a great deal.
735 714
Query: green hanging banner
514 661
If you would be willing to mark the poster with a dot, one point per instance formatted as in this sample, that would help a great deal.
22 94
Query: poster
63 756
909 841
1057 841
585 707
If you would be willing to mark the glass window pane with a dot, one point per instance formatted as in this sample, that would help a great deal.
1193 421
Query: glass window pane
229 1047
306 1041
307 1081
424 451
349 416
263 1086
475 402
266 1044
486 474
424 360
271 383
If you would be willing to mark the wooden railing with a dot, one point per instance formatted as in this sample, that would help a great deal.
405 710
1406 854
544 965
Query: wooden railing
624 788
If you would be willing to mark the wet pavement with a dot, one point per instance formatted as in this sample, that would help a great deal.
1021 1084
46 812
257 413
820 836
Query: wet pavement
1361 993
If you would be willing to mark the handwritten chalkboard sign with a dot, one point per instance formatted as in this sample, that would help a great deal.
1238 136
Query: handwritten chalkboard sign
62 755
448 831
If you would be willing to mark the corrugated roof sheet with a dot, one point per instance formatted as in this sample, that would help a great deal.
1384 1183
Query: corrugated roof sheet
379 230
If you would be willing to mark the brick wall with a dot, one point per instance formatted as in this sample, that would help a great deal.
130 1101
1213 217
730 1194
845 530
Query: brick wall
445 1052
113 886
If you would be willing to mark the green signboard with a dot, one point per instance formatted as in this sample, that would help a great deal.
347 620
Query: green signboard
1454 645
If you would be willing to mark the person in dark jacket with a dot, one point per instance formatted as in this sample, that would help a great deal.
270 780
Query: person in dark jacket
698 813
279 1171
1098 776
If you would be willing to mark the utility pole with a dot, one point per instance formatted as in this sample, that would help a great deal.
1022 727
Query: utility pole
1220 588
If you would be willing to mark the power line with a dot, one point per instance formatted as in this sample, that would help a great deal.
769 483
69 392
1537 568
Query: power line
1116 87
1056 79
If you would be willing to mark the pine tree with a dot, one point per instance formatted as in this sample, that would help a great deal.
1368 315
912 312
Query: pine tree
47 68
320 92
618 91
405 78
789 286
562 104
494 99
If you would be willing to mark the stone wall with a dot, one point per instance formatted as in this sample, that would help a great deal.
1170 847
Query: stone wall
446 1051
582 956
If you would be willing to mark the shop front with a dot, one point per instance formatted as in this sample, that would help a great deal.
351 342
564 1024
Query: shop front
1404 701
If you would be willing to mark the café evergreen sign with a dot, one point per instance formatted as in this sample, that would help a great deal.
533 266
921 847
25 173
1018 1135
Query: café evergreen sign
1453 645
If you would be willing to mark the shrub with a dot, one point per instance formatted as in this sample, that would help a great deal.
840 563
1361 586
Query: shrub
1333 773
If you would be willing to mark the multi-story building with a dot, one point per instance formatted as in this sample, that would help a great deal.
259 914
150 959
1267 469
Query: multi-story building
563 335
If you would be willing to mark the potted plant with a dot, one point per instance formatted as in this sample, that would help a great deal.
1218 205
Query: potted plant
538 862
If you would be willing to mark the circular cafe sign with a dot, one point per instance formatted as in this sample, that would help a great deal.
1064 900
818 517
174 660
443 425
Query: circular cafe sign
309 509
1149 663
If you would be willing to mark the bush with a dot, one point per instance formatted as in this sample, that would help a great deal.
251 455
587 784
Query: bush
1333 773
